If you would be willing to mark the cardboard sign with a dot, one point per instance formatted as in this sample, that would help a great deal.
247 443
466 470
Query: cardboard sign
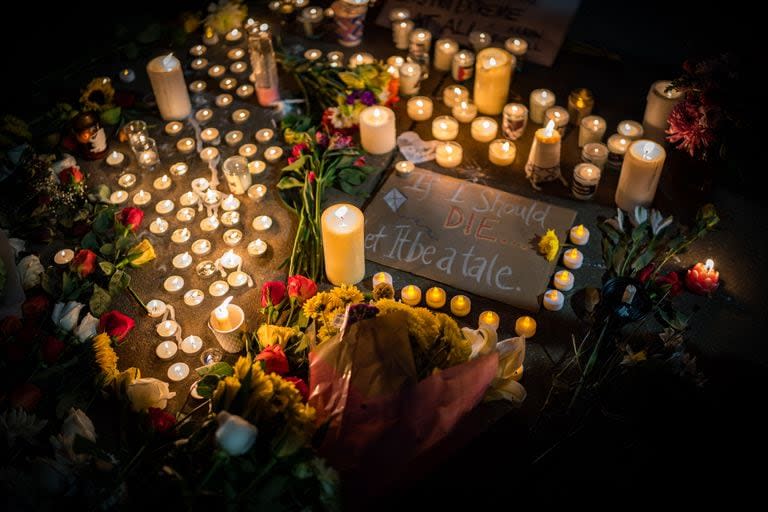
469 236
543 23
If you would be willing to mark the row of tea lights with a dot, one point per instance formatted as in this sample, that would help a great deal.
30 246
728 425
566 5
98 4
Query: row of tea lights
563 280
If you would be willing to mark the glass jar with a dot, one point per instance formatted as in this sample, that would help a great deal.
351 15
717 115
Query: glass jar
238 178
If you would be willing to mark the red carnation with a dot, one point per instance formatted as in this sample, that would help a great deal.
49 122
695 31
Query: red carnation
26 396
51 349
272 293
35 308
673 281
71 176
274 360
130 217
160 420
301 386
116 324
301 288
84 262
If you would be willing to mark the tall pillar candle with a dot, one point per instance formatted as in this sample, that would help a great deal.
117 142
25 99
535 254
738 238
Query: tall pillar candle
377 130
445 49
660 104
167 79
410 77
640 174
343 244
493 74
544 159
401 31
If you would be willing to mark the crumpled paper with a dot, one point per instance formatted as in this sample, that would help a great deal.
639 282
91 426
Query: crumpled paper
415 149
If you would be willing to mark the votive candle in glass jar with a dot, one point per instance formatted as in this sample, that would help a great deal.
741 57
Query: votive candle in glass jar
401 33
445 49
445 128
455 94
586 178
632 130
514 119
235 169
463 66
419 108
448 154
465 111
580 104
617 148
484 129
518 47
502 152
410 78
560 116
595 153
591 129
541 100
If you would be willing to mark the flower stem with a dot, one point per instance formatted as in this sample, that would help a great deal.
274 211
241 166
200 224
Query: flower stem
137 298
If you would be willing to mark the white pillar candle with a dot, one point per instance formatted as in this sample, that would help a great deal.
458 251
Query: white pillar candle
445 128
563 280
573 259
465 111
493 75
169 88
502 152
579 235
381 277
553 300
164 206
377 130
224 100
591 129
419 108
64 256
540 101
173 284
185 145
180 236
640 175
488 320
182 261
448 154
560 116
461 305
193 298
410 295
257 247
404 167
545 150
410 76
484 129
657 110
343 229
525 326
630 129
617 148
586 178
264 135
595 153
435 297
115 158
445 49
401 32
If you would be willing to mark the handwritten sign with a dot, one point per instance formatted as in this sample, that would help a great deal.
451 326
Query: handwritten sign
543 23
469 236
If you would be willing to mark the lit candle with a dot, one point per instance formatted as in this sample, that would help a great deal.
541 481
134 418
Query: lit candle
234 35
518 47
579 235
660 104
502 152
445 49
404 167
573 259
420 40
445 128
560 116
193 297
632 130
156 308
201 247
479 39
273 153
166 350
148 156
360 58
702 279
335 59
158 226
200 185
204 115
220 317
419 108
401 32
312 54
461 305
64 256
229 260
343 247
411 295
595 153
173 283
178 371
436 297
580 103
174 128
188 199
463 66
180 235
115 158
182 260
118 197
237 279
493 74
238 67
381 277
247 150
218 288
514 120
210 37
228 84
563 280
230 203
230 219
141 197
262 223
591 129
127 180
488 320
198 50
216 71
449 154
257 247
167 328
377 130
210 136
640 175
185 214
484 129
162 183
209 155
169 88
257 192
545 150
540 101
179 169
245 91
455 94
210 223
240 116
235 54
186 145
234 137
232 237
586 178
127 75
191 344
464 112
553 300
257 166
525 326
224 100
397 61
198 64
265 135
410 77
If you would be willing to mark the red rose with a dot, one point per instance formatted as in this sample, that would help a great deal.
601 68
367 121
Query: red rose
645 273
116 324
301 386
71 176
51 349
160 420
360 162
10 326
274 360
26 396
35 308
673 281
301 288
272 293
130 217
297 150
84 262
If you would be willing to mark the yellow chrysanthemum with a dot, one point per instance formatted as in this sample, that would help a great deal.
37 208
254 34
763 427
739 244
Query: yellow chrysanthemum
243 367
348 294
105 356
549 245
326 332
422 325
451 335
269 334
98 94
315 306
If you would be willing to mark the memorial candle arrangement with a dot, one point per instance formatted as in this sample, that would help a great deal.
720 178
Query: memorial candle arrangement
343 244
169 87
493 75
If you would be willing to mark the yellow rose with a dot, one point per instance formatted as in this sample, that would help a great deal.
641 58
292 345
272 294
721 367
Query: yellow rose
275 335
549 245
141 253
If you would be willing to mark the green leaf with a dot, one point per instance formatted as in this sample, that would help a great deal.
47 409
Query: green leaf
220 369
112 116
103 221
640 232
100 300
618 259
288 183
119 282
90 241
124 243
207 385
106 266
107 250
298 164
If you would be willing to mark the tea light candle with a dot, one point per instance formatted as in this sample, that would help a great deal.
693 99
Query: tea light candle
240 116
257 192
185 214
488 320
198 50
525 326
335 59
617 148
397 61
201 247
273 153
115 158
436 297
553 300
179 169
419 108
164 206
198 64
156 308
197 86
235 54
404 167
210 223
411 295
262 223
381 277
162 183
540 101
182 261
127 75
230 218
660 104
573 259
141 197
200 185
166 350
640 175
461 305
232 237
449 154
180 235
233 138
204 115
63 256
127 180
484 129
193 297
209 155
218 288
410 77
463 66
230 261
228 84
118 197
401 33
257 247
312 54
595 153
178 371
234 35
173 284
560 116
174 128
230 203
210 136
455 94
360 58
493 75
591 129
563 280
167 328
630 129
188 199
377 130
464 112
343 232
502 152
158 226
186 145
224 100
445 128
256 167
237 279
248 150
238 67
579 235
216 71
265 135
191 344
586 177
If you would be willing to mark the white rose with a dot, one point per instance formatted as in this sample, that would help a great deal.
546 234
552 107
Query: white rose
148 392
66 315
87 328
30 271
77 424
235 435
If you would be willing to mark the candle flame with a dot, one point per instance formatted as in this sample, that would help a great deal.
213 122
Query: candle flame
627 127
169 62
647 150
544 94
709 265
376 112
505 146
596 122
516 42
223 305
448 148
464 105
550 128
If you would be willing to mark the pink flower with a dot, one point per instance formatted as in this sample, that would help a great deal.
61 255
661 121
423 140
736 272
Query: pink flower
690 127
321 138
360 162
339 141
298 149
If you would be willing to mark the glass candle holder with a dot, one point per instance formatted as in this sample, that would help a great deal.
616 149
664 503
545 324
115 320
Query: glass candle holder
419 42
514 120
235 169
580 104
419 108
445 128
463 66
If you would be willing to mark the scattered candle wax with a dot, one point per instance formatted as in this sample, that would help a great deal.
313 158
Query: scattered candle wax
162 183
262 223
158 226
240 116
127 180
404 167
183 260
193 297
563 280
436 297
115 158
273 153
166 350
265 135
179 169
257 247
553 300
257 192
156 308
141 197
178 371
525 326
579 235
461 305
64 256
218 288
224 100
118 197
191 344
185 214
232 237
167 328
181 235
174 128
247 150
489 320
411 295
573 259
381 277
201 247
186 145
256 167
230 218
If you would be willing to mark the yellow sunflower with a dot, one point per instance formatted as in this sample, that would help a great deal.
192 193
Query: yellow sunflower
98 94
105 356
